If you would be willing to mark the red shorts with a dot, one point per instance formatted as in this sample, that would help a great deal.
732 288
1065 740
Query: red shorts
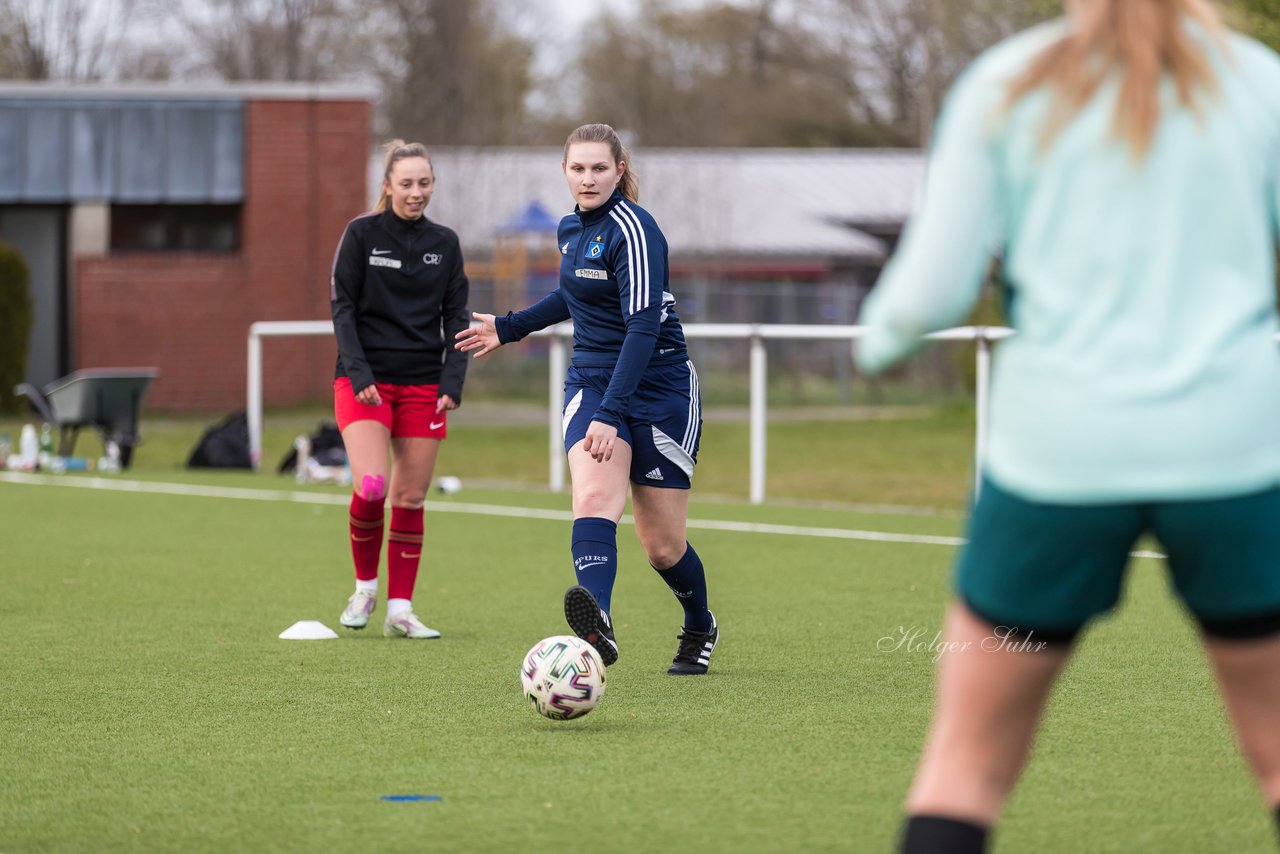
406 410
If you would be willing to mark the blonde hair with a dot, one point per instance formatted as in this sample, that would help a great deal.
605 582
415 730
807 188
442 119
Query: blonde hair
1145 39
397 150
630 183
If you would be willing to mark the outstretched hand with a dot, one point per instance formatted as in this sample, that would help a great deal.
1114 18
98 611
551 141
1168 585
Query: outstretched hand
479 340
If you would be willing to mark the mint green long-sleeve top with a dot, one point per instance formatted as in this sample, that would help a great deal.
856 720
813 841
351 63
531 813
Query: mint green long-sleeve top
1144 364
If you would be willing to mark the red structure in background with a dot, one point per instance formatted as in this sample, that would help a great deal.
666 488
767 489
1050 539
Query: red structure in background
188 313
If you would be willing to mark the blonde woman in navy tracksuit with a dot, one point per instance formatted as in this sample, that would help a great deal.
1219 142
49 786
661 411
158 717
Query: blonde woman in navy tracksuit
632 412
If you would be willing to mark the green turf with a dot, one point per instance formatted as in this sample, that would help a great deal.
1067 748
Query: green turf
148 704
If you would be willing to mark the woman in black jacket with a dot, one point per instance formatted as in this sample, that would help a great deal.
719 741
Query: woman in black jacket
398 292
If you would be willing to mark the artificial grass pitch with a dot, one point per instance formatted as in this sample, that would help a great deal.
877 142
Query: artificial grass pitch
149 705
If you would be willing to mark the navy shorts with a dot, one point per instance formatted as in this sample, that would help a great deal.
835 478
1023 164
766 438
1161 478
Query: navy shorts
663 424
1050 568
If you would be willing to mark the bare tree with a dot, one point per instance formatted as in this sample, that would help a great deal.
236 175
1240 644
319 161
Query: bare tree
719 74
452 74
451 71
10 63
803 72
73 40
301 40
906 53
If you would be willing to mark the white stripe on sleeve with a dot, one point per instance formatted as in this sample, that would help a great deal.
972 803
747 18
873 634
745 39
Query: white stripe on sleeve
637 255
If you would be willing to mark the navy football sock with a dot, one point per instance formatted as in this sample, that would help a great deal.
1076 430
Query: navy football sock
595 556
934 834
687 580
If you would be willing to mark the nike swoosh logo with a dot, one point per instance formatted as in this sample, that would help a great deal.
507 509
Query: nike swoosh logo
589 565
362 539
409 556
436 425
382 252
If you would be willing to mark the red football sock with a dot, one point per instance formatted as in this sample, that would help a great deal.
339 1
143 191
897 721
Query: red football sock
404 548
366 523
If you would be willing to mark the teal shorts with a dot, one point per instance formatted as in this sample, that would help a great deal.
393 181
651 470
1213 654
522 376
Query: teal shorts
1048 569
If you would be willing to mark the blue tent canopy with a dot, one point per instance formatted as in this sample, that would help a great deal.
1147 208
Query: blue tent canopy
532 219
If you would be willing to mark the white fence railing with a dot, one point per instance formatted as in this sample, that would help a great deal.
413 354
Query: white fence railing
755 333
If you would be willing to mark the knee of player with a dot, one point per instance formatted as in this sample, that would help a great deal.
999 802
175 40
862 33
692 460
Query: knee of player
664 554
593 500
411 499
373 487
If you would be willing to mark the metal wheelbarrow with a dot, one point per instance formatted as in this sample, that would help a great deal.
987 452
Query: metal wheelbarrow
106 399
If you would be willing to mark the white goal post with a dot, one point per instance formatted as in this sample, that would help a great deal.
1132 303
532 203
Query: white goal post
562 335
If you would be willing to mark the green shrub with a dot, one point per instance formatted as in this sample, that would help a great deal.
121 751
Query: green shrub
15 324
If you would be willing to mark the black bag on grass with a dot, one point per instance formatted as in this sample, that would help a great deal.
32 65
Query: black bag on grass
225 445
326 449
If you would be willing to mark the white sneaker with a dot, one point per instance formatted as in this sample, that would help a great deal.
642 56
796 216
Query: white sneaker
406 625
359 607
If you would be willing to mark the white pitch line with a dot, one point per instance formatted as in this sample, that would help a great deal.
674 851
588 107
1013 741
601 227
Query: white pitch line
190 490
245 494
830 533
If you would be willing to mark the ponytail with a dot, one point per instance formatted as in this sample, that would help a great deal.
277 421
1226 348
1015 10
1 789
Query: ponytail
1145 40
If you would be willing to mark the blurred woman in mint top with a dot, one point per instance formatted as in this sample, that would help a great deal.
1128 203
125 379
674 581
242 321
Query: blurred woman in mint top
1125 162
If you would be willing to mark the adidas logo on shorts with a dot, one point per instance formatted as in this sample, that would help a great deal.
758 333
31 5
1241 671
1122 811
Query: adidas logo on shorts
654 475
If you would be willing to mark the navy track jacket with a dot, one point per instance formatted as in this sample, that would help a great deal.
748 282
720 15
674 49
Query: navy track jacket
399 296
613 285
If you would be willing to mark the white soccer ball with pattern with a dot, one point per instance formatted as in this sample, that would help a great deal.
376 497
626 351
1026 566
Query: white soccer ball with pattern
563 677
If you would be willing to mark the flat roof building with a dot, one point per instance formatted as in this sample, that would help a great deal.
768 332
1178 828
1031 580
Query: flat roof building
158 222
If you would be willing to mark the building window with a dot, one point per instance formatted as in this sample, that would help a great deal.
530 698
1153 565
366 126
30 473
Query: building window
175 228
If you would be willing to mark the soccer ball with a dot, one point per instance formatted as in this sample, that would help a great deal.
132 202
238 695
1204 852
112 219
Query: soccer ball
563 677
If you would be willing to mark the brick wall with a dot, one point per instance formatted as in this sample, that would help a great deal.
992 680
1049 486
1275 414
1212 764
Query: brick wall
188 314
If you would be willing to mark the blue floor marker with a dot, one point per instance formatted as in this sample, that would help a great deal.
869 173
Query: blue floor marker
401 798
